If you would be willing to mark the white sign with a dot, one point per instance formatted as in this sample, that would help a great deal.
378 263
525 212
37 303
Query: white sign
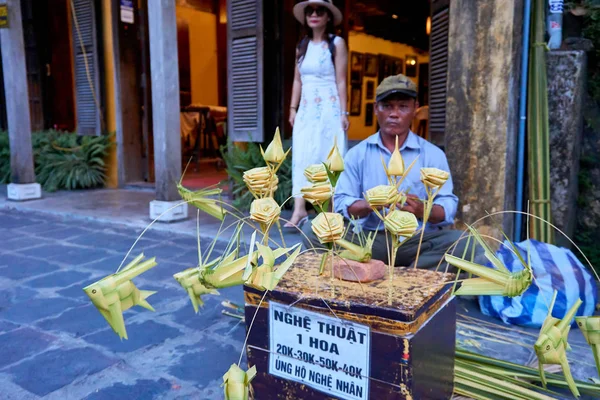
127 15
556 6
323 352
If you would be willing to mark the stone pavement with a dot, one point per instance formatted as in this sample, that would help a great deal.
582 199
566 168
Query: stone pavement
54 344
129 207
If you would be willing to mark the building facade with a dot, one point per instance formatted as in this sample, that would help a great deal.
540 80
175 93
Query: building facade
131 67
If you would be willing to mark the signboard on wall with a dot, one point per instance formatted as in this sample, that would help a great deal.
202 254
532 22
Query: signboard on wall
326 353
127 13
3 16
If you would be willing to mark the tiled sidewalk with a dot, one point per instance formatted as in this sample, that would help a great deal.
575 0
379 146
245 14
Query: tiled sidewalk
56 345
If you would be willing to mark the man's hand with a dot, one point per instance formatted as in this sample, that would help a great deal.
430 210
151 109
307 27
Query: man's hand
359 209
414 205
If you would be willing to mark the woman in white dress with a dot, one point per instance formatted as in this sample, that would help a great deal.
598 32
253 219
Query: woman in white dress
319 95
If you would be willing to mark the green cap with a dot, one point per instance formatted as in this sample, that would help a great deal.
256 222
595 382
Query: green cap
396 84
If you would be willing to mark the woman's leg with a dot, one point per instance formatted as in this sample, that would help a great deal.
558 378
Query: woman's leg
298 213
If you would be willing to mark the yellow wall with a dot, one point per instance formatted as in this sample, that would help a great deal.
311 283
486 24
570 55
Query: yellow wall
203 54
364 43
109 90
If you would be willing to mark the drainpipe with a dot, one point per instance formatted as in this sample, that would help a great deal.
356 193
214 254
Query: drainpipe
522 121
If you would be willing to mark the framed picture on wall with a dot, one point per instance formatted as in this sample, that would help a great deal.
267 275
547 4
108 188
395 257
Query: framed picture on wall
384 67
411 66
356 67
370 90
398 66
371 67
369 114
355 100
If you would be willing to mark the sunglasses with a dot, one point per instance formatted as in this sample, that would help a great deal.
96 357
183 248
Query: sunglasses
308 11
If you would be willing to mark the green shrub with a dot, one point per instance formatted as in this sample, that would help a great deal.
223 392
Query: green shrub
239 160
62 160
591 30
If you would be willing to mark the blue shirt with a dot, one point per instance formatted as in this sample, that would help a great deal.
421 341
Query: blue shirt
363 170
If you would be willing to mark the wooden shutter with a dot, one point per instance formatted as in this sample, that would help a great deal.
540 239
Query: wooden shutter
438 72
245 70
87 81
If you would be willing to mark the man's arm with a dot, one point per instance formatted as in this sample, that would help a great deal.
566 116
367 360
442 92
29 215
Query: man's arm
445 199
359 209
348 197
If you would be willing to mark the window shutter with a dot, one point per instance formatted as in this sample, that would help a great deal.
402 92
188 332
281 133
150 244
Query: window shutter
438 73
245 75
87 83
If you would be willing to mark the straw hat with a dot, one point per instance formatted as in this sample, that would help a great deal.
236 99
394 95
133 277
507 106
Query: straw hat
299 10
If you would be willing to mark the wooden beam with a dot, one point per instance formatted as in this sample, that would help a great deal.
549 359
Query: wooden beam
17 97
165 97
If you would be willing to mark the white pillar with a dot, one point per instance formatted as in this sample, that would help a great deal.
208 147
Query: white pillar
23 186
164 70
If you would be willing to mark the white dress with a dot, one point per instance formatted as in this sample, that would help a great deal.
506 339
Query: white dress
318 120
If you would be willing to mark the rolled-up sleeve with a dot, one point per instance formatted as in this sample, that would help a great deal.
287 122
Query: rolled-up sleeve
349 187
446 197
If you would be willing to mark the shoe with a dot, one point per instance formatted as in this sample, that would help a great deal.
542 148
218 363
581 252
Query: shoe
298 226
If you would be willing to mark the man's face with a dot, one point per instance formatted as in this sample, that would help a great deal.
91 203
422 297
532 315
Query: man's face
395 115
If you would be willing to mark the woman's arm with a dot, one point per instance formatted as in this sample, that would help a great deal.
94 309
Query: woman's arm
296 91
341 73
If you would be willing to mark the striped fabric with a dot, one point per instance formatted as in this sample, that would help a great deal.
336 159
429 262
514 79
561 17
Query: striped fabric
554 268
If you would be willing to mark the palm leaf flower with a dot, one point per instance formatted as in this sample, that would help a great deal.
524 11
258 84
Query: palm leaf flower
116 293
274 153
261 182
382 196
316 173
335 161
318 195
334 164
551 345
328 227
590 327
497 281
396 164
265 276
274 156
265 211
201 199
401 225
433 179
236 382
384 199
395 168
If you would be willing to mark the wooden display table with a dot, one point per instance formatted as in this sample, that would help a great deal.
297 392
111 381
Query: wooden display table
308 345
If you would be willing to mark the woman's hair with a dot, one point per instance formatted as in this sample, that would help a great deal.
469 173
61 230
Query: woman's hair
308 35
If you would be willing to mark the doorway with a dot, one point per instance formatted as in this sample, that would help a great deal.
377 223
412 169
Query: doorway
201 45
386 37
